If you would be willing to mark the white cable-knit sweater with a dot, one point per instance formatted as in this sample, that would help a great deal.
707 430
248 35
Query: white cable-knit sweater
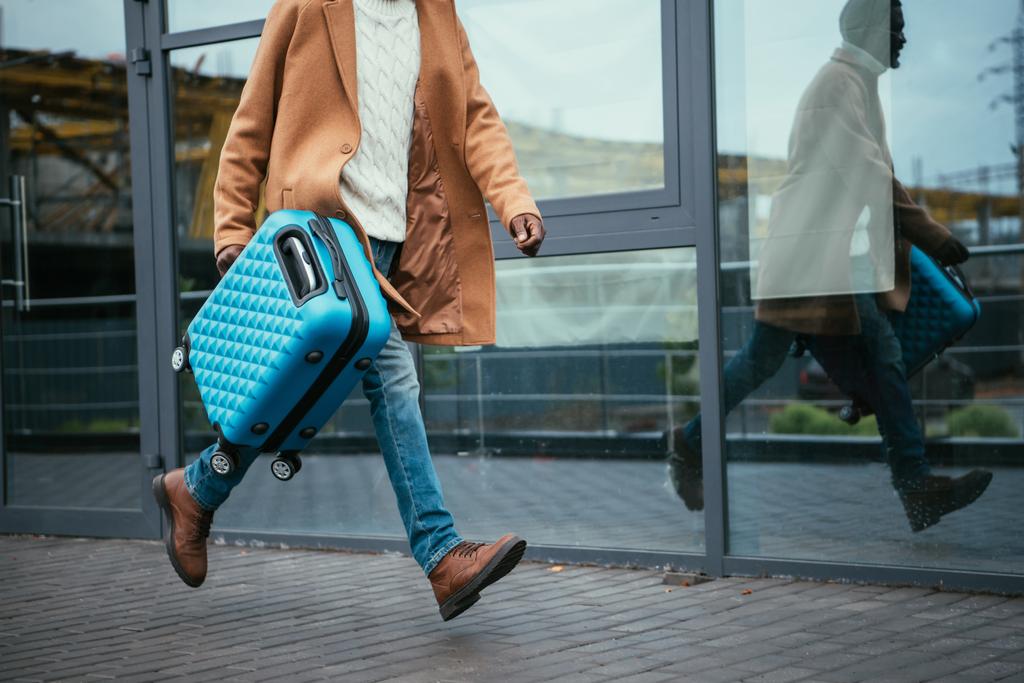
375 182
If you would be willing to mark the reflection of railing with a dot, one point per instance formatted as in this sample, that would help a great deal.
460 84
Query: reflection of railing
659 409
469 405
977 251
52 381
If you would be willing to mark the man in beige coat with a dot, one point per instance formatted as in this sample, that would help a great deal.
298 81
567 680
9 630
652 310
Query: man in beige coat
840 182
372 111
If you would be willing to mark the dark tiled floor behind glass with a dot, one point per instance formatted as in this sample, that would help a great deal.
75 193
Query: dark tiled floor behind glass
845 513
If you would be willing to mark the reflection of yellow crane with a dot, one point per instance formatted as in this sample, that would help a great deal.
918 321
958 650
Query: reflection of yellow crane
77 109
946 205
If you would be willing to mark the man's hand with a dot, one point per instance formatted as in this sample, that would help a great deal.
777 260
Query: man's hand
226 257
528 233
952 252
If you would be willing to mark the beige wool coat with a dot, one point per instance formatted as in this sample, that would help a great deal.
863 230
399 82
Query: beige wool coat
297 125
843 102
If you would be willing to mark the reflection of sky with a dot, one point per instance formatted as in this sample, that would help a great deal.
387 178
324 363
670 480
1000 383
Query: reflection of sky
185 15
940 111
94 28
554 65
550 64
586 67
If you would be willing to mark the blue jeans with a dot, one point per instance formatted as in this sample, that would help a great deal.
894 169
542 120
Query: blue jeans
869 365
393 391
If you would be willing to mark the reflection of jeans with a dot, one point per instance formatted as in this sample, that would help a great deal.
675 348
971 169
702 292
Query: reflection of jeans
869 365
393 391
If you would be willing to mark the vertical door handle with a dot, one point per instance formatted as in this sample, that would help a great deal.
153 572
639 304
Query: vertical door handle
18 201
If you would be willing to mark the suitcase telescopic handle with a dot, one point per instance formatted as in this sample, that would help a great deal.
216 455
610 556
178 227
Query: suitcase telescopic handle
300 268
322 229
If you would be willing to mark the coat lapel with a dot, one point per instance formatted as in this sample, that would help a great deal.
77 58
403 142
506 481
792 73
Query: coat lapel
341 25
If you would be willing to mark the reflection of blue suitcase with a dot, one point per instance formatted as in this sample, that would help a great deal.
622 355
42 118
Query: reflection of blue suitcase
285 336
941 310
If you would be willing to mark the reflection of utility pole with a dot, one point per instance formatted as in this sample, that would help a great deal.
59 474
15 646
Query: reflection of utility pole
985 217
1016 41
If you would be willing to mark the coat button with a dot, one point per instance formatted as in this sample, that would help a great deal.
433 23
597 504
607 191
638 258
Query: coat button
346 148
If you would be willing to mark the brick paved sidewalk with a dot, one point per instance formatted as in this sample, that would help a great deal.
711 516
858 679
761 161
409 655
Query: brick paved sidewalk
87 610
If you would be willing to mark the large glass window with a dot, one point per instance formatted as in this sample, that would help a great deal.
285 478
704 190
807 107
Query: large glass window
69 388
839 180
579 85
557 431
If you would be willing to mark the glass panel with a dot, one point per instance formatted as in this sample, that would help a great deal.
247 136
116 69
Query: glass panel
70 380
809 141
208 83
582 102
557 431
186 15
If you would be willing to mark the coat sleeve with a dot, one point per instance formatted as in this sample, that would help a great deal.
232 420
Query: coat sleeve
243 160
489 155
915 223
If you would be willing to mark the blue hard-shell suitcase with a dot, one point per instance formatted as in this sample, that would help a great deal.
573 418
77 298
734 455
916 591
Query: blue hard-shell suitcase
284 337
941 310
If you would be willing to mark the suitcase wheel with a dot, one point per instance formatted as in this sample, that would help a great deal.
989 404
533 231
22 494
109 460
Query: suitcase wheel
223 463
850 415
179 360
285 466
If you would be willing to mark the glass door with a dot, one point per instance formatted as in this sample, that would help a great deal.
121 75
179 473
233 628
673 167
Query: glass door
70 400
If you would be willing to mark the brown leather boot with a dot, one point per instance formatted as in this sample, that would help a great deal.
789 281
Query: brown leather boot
469 568
189 526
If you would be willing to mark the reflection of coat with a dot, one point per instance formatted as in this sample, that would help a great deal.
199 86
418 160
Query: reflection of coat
840 121
298 124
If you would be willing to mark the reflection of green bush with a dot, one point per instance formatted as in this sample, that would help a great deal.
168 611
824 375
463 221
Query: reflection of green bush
100 425
684 378
439 374
990 421
800 418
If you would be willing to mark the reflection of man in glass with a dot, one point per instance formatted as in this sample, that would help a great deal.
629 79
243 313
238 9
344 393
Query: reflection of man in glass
836 265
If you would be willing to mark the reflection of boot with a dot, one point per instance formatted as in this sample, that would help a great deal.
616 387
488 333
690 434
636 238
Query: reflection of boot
927 502
686 472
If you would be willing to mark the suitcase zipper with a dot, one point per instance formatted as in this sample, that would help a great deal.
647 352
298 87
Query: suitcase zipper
322 228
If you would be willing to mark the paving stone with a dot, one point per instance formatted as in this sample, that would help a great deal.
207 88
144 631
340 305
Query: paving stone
73 609
783 675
